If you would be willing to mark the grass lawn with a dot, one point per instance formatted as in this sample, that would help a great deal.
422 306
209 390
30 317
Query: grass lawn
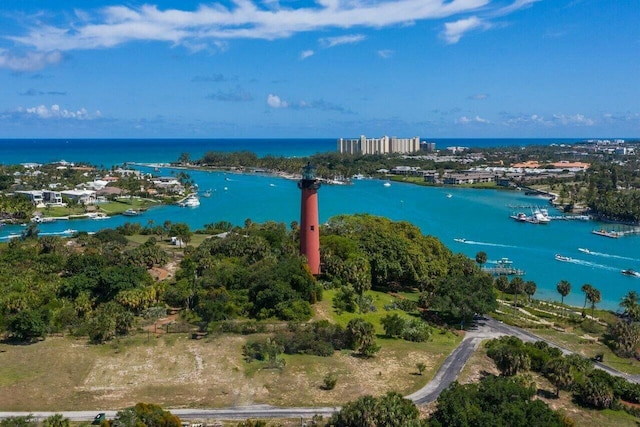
589 348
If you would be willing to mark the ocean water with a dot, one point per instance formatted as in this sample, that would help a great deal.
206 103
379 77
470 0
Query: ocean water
109 152
481 217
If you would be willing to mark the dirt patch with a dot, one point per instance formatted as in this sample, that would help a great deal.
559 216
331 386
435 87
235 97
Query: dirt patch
175 371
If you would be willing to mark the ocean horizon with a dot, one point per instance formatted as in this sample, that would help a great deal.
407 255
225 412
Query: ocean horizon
115 151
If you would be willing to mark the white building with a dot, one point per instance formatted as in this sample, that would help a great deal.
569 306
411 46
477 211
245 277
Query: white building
384 145
86 197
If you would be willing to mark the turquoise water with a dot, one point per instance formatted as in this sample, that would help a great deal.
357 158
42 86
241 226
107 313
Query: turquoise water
479 216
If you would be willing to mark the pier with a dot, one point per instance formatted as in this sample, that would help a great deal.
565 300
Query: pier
504 267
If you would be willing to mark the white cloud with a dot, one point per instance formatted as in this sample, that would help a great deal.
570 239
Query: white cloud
31 61
464 120
274 101
479 96
306 53
385 53
246 19
336 41
453 31
575 119
513 7
56 112
555 120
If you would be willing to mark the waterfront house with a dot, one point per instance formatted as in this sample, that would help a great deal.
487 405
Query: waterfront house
86 197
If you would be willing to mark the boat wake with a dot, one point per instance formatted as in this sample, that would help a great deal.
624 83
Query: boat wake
591 264
609 255
497 245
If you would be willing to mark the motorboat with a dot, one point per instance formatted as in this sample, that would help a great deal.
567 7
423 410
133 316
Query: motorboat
461 240
562 258
584 250
131 212
190 202
387 184
449 195
99 216
630 272
206 193
520 217
540 216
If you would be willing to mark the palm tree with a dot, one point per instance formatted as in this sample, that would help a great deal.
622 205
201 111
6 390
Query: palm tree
586 288
530 288
481 258
594 298
564 288
630 304
558 371
502 284
516 287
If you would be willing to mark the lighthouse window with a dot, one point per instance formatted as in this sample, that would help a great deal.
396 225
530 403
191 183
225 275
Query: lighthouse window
312 227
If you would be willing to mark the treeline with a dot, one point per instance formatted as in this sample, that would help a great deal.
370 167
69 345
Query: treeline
328 165
99 285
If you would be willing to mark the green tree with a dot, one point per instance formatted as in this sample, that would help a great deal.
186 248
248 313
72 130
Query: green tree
516 287
558 371
390 410
564 288
420 366
361 337
393 325
27 325
586 288
630 305
56 420
481 258
502 284
494 401
594 297
624 338
145 414
530 288
509 355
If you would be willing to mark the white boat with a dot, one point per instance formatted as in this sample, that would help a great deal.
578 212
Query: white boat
70 231
99 216
586 251
520 217
387 184
460 240
540 216
207 193
190 202
630 272
562 258
357 176
449 195
131 212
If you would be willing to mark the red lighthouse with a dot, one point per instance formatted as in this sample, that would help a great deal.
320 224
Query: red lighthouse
309 227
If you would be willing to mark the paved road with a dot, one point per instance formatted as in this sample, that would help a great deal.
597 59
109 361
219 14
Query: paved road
485 328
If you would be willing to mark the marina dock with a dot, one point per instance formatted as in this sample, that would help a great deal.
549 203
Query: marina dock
504 267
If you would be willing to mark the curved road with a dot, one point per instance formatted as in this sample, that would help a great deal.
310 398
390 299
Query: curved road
485 328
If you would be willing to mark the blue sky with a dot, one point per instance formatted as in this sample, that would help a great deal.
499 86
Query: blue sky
325 68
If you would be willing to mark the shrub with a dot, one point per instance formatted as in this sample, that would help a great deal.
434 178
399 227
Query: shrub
329 381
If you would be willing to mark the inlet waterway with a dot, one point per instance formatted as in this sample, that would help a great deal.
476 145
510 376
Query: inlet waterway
480 217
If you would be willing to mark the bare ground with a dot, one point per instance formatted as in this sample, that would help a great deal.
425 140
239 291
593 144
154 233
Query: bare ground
175 371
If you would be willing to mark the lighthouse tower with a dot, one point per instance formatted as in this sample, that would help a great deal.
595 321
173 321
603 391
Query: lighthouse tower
309 227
